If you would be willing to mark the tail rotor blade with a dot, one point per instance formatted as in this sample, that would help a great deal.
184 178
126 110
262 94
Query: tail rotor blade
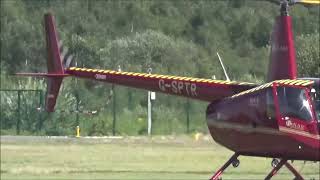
64 52
68 61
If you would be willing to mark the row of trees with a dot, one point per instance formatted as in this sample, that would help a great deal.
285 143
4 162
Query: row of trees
171 37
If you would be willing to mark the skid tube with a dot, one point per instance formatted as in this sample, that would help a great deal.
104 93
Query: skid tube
289 166
273 172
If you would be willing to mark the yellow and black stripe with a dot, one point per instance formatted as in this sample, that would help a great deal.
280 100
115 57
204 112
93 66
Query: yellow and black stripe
157 76
293 82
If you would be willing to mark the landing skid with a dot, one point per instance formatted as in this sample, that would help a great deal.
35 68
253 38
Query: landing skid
289 166
233 159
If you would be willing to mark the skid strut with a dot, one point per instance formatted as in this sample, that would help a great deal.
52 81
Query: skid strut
279 165
276 169
273 172
294 171
220 171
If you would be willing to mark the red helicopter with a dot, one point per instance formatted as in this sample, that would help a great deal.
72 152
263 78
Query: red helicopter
279 119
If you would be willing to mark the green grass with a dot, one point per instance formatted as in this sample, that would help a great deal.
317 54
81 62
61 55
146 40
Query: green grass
130 158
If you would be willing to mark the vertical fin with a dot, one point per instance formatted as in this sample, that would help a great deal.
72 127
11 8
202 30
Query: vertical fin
54 62
283 54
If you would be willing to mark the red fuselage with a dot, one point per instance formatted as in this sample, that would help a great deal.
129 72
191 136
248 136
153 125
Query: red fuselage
266 122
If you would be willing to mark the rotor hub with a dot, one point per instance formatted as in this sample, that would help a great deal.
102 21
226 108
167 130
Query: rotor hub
284 8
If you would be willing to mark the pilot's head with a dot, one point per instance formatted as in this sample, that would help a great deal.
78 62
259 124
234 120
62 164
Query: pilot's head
313 94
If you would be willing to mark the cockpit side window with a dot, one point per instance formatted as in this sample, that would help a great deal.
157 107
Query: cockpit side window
315 97
270 109
293 103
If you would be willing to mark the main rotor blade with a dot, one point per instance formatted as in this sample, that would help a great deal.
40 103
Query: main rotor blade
307 1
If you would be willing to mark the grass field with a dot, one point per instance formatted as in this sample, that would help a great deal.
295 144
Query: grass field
133 158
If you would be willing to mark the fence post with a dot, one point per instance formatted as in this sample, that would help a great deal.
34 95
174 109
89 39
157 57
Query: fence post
18 110
77 108
188 115
114 111
149 108
40 109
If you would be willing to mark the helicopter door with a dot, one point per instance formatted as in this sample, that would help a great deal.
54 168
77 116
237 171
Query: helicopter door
294 110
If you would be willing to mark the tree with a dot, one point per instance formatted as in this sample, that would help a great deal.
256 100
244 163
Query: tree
308 55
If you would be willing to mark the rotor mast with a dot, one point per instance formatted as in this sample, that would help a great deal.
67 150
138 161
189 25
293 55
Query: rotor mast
284 8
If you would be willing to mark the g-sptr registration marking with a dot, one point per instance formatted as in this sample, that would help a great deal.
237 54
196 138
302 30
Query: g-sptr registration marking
178 87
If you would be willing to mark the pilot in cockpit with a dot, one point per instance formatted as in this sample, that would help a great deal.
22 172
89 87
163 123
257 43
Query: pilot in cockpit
315 97
313 94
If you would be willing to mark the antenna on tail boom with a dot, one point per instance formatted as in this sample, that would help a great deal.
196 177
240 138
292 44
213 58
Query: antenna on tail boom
224 70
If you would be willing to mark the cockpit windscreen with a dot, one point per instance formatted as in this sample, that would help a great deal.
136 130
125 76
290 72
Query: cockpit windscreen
293 103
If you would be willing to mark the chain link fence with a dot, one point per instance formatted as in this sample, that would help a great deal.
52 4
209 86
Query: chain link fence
104 110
